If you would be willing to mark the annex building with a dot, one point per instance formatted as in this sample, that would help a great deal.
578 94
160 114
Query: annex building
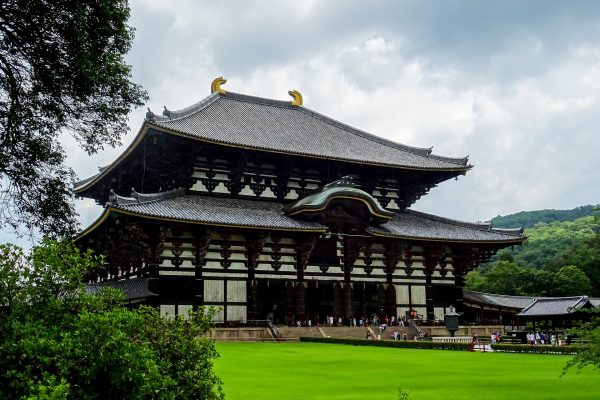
266 208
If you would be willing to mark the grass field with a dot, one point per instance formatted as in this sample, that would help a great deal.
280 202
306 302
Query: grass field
294 371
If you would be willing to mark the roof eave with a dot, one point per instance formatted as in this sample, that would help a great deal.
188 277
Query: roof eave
132 146
459 169
110 209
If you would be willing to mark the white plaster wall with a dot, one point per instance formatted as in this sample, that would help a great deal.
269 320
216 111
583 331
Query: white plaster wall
402 294
167 310
418 295
236 313
213 291
439 312
184 310
236 291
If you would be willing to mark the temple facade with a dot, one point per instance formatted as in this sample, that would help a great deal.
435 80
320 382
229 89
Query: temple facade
268 209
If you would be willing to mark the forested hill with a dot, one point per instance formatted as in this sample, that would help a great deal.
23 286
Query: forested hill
560 258
528 219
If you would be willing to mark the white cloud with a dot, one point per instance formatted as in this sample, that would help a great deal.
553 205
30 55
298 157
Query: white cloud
519 94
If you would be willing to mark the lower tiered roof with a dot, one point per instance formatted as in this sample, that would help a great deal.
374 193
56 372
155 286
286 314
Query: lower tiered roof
178 206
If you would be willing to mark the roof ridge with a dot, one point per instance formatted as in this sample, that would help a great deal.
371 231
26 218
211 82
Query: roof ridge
173 115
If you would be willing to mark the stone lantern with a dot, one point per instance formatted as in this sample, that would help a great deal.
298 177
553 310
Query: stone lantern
451 321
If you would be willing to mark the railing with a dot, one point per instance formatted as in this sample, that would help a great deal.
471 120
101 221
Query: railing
413 324
455 339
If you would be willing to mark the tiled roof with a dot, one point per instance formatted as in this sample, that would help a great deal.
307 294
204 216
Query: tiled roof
215 210
498 300
134 289
555 306
176 205
273 125
416 225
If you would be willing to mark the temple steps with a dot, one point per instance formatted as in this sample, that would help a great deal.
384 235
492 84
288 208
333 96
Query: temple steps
293 333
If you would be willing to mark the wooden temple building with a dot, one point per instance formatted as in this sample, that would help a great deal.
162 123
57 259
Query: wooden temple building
266 208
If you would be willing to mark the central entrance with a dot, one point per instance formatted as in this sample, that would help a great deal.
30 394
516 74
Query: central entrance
290 302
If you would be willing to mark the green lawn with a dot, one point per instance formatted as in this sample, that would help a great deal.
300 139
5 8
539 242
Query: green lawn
293 371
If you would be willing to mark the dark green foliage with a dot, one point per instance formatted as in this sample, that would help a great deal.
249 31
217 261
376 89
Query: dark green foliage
558 259
58 342
62 70
589 331
528 219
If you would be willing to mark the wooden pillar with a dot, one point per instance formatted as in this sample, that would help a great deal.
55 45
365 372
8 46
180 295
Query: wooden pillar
254 246
156 247
201 243
289 302
393 253
380 299
304 249
252 299
348 306
351 249
338 300
363 297
300 301
390 300
459 284
429 263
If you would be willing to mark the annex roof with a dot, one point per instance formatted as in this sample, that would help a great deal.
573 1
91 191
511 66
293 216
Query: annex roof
497 300
176 205
549 306
135 289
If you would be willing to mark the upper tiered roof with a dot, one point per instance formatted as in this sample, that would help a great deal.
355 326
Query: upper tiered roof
283 127
278 126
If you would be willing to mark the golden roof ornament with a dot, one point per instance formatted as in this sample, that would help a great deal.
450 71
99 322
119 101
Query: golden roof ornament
215 86
297 97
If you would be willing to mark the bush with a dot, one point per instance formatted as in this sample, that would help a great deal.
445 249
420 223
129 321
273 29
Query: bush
59 342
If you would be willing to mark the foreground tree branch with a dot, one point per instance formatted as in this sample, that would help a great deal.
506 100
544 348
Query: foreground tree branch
62 68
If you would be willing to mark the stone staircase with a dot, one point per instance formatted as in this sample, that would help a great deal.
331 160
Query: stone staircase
292 333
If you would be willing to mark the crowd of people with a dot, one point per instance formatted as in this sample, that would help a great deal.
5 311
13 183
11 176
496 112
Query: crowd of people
541 338
383 322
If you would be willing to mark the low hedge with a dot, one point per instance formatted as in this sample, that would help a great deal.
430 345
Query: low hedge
409 344
539 349
426 344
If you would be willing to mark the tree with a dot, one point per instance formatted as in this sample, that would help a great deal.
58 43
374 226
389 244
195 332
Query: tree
504 278
475 281
62 69
59 342
571 281
590 331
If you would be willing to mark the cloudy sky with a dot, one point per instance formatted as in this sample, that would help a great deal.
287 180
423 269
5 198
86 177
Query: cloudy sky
513 84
